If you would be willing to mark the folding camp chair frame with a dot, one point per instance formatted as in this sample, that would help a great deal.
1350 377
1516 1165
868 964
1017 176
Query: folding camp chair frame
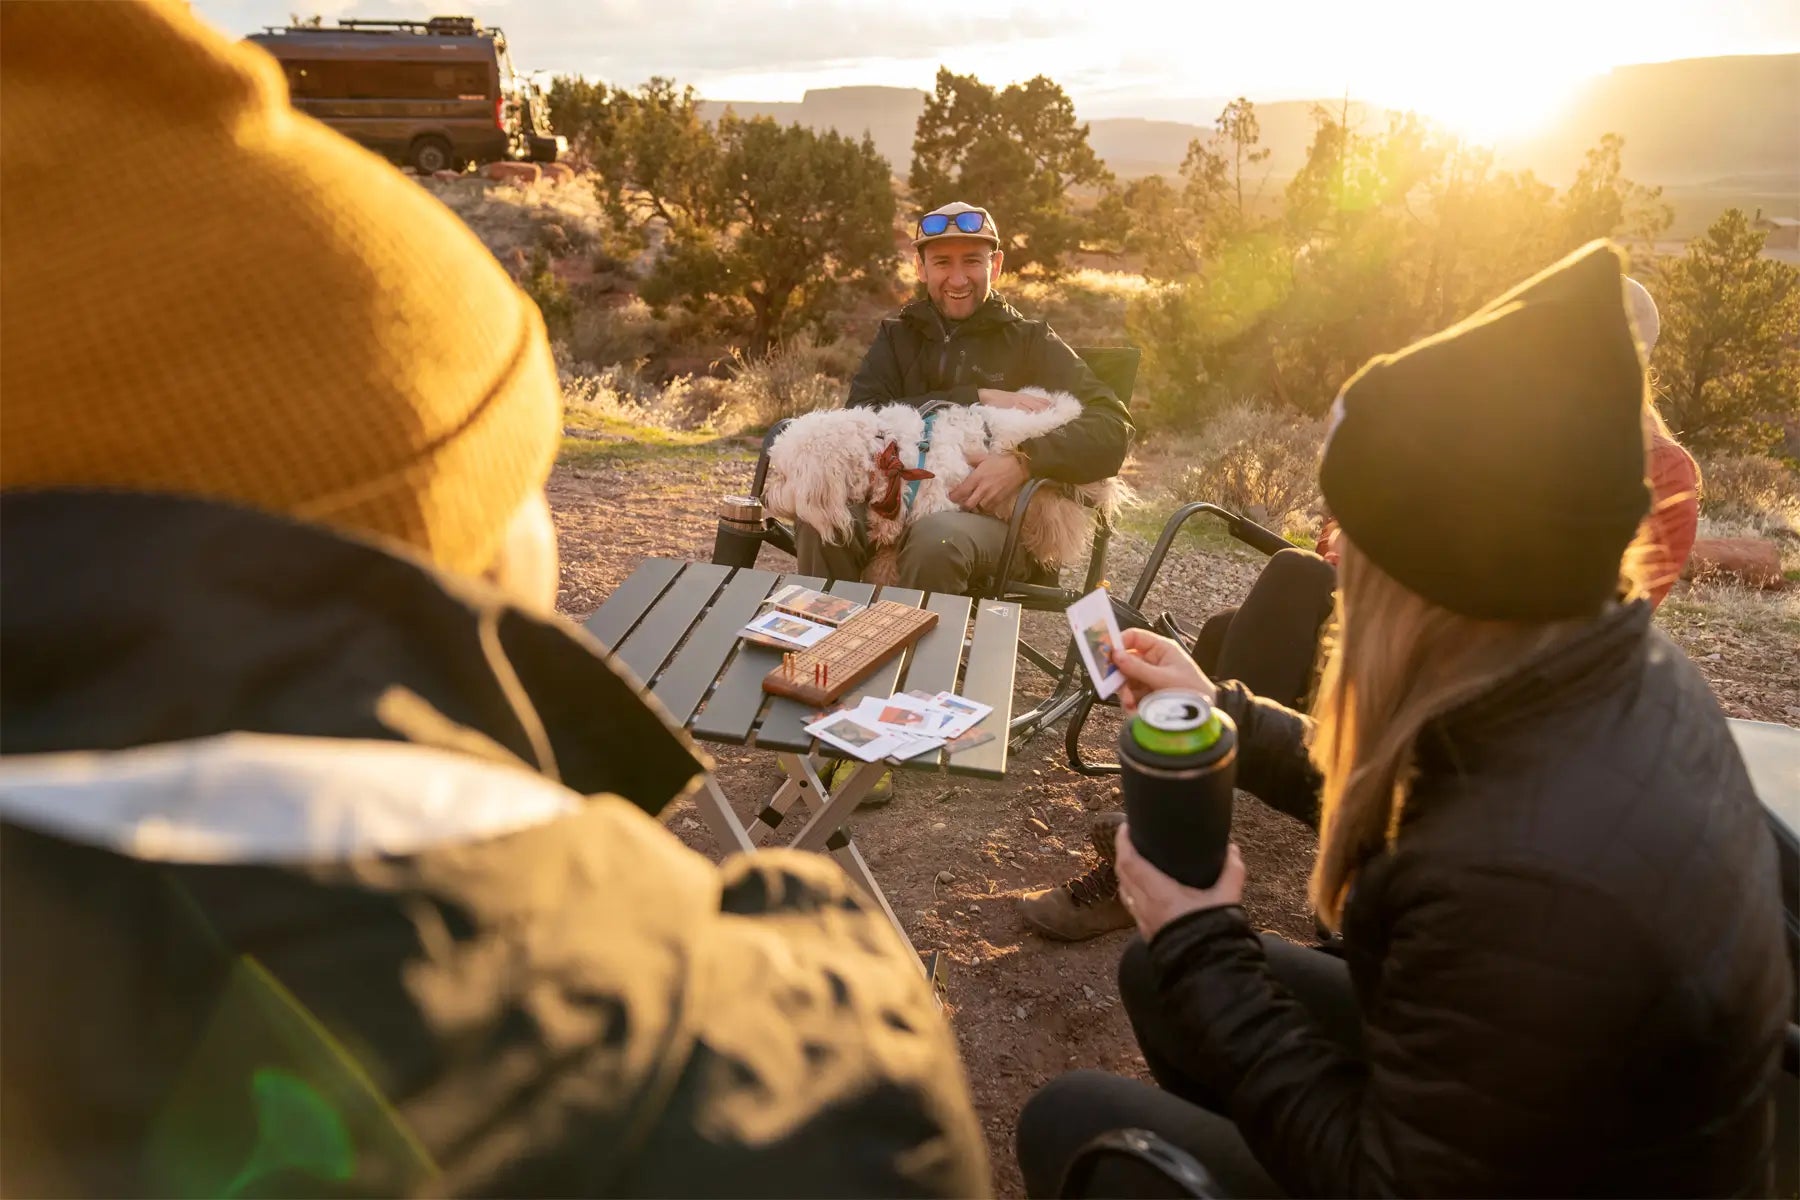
1130 612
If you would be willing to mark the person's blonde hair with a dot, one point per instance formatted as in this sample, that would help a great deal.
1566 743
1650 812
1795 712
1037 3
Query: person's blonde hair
1394 662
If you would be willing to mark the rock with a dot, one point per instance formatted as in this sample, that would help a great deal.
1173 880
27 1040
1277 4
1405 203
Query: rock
1037 825
945 877
939 825
523 174
558 172
1019 1012
1755 561
1089 992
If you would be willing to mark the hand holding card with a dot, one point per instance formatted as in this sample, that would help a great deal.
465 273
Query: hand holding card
1096 632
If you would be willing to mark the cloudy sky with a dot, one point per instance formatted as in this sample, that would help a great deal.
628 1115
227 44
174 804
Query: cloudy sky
1488 67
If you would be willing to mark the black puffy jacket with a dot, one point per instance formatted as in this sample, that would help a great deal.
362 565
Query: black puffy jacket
918 357
1569 961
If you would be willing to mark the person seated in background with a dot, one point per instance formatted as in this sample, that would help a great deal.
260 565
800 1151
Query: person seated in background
328 856
1270 643
1564 970
962 344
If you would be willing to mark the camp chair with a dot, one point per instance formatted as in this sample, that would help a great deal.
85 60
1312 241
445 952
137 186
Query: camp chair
743 530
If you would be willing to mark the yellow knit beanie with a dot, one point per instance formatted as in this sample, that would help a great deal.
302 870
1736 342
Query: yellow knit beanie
203 292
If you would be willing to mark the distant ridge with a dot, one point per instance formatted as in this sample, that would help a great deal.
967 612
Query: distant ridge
1688 122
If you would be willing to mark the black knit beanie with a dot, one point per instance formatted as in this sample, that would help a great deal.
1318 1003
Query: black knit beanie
1497 468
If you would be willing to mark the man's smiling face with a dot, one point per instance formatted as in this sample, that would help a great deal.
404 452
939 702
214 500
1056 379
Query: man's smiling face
959 273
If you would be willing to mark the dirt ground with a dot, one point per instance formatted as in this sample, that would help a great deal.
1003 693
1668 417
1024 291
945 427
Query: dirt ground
952 854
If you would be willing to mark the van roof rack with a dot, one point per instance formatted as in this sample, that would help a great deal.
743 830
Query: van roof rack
452 26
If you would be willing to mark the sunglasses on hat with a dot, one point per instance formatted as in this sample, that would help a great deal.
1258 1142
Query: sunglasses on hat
933 224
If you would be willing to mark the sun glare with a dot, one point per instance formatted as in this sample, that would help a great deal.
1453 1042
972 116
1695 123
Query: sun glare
1493 114
1483 79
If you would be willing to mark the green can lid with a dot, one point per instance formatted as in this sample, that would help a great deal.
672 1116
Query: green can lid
1176 723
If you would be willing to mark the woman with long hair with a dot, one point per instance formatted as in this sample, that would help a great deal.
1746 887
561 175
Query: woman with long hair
1270 642
1562 964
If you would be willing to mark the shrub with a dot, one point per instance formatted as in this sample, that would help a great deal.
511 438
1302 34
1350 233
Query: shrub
603 334
549 293
783 383
512 218
1086 308
1258 462
1753 490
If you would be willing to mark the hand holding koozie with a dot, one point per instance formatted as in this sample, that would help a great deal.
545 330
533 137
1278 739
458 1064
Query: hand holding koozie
1178 756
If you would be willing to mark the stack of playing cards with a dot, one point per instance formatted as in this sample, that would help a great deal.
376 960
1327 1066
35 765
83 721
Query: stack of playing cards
903 726
814 606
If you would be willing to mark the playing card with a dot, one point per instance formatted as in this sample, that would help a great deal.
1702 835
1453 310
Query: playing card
1097 637
916 747
903 714
844 732
968 713
814 606
969 740
794 631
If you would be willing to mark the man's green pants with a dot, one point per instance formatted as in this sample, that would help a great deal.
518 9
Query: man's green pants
943 552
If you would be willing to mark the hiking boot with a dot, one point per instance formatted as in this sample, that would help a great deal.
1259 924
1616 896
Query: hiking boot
838 771
1086 906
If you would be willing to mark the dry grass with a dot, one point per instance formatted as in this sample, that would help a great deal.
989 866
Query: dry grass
755 393
1086 308
1753 491
561 217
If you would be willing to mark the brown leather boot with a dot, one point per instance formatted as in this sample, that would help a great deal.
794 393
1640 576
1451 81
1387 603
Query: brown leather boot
1086 906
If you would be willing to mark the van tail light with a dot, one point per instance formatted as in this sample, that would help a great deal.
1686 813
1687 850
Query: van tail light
500 113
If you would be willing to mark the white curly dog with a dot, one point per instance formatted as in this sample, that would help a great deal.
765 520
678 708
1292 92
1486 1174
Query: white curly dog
827 466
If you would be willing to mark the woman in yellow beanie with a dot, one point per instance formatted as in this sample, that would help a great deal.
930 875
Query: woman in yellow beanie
328 866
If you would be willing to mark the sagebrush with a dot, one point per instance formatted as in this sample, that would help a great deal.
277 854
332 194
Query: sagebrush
1256 461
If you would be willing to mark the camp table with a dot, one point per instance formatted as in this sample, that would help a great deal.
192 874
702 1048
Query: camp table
675 626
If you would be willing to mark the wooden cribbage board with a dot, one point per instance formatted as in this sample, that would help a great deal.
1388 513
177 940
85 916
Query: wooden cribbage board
850 654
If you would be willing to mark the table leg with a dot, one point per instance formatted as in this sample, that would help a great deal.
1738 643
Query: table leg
851 860
823 832
803 785
715 810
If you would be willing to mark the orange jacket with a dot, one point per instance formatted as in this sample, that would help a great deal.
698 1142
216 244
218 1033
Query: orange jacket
1674 513
1674 516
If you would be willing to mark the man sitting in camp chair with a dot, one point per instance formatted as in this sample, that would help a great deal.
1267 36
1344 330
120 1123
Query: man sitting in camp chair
963 344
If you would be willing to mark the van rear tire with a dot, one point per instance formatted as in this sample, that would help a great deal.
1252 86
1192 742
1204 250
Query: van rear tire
429 155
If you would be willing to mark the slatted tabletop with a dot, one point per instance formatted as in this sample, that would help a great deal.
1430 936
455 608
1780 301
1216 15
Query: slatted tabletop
675 625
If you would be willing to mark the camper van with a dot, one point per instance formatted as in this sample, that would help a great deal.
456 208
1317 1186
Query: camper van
434 95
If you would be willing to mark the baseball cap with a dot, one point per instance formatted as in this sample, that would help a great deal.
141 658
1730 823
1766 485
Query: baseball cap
987 231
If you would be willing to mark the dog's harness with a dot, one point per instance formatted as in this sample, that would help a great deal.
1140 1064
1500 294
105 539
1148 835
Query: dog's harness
913 479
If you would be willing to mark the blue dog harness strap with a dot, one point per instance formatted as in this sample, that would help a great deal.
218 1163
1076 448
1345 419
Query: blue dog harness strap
912 486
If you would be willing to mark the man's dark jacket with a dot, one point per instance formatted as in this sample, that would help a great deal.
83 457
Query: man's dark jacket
919 358
324 874
1569 961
